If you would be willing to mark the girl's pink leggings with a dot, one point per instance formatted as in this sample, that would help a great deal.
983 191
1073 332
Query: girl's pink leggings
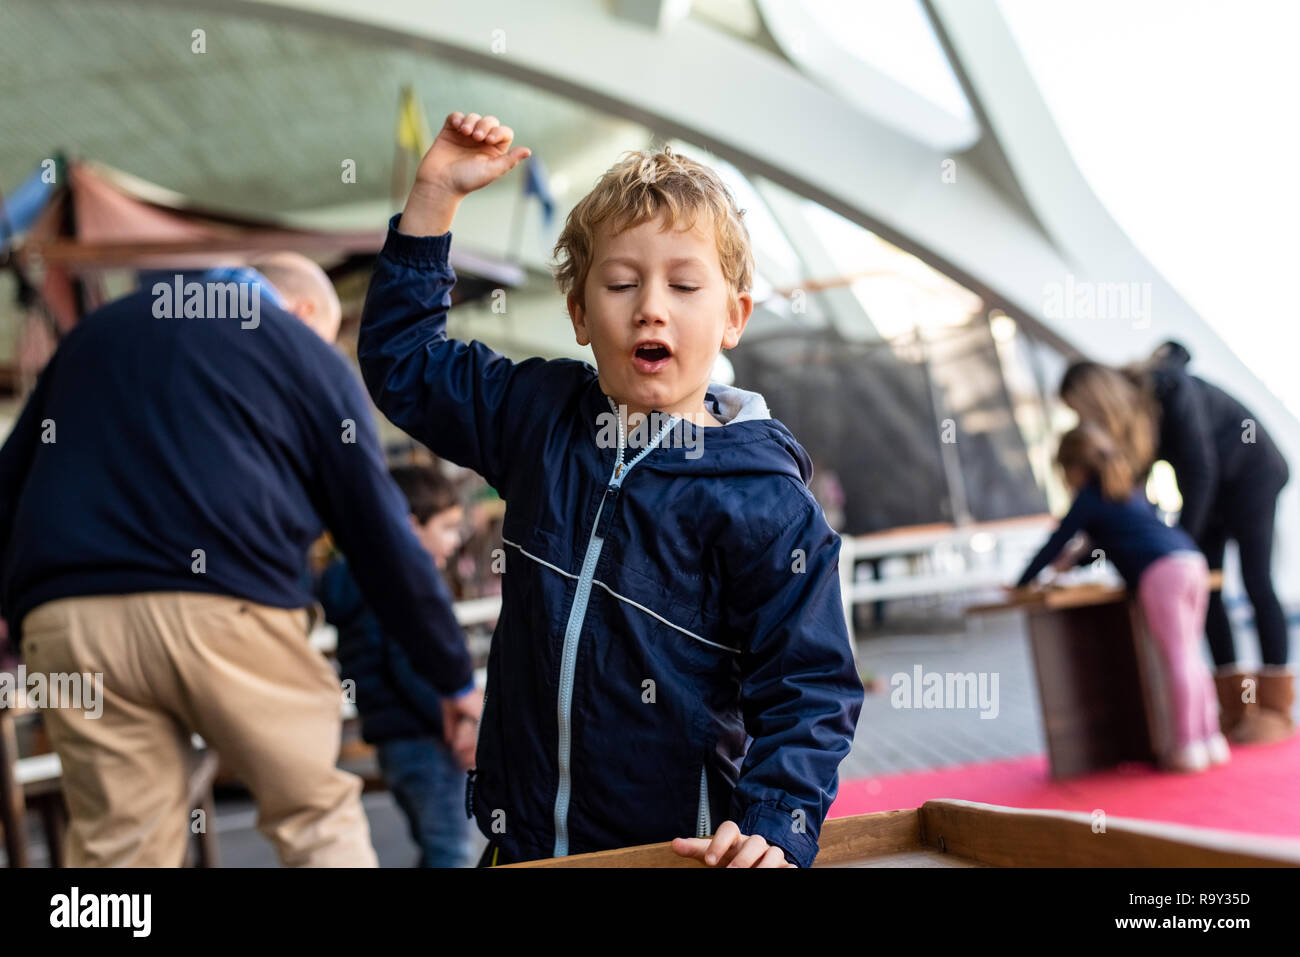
1174 591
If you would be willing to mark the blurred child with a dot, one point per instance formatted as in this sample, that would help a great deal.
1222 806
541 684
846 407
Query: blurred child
1162 565
671 587
400 713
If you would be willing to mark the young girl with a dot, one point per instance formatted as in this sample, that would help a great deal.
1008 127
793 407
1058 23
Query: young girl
1163 566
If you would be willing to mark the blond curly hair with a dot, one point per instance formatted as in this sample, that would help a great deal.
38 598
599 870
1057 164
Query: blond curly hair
637 189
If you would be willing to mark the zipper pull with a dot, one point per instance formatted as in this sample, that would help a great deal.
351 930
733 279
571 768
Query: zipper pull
608 505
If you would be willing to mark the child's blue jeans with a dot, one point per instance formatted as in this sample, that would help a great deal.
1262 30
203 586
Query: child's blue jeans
429 787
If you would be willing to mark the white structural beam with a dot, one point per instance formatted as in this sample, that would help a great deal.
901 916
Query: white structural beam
742 103
825 57
1015 223
658 14
843 309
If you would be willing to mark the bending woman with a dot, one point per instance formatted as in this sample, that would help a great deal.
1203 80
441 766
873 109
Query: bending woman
1230 473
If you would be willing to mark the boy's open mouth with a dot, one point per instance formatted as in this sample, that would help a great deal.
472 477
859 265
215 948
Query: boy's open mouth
651 356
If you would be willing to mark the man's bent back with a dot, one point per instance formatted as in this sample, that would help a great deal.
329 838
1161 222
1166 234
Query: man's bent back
157 498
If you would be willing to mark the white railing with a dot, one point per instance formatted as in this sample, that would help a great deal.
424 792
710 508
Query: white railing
939 559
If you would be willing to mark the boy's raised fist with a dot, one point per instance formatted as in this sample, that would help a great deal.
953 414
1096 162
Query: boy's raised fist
469 152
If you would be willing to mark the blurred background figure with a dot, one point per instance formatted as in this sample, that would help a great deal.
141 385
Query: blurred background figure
306 290
1161 566
157 498
1230 473
401 713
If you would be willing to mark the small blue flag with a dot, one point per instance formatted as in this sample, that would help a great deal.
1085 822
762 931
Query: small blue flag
21 207
535 184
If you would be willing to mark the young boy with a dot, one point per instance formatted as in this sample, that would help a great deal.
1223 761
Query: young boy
401 714
670 587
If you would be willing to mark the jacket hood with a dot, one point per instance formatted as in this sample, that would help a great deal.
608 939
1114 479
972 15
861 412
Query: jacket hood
748 441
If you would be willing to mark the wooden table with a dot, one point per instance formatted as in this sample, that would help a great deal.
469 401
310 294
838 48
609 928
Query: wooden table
968 834
1101 682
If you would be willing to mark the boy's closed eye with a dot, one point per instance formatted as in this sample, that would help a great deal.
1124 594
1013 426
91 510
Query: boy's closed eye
622 286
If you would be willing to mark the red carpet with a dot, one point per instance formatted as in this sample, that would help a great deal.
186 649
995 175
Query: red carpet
1258 791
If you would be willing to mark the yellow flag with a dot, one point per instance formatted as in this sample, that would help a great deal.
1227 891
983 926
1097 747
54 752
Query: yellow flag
412 128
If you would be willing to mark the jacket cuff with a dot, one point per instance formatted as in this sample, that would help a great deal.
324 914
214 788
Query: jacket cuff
776 825
415 250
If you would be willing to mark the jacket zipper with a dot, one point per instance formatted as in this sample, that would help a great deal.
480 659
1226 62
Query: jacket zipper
704 827
577 615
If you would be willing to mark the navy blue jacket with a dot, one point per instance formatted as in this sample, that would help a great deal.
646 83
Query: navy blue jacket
391 697
1129 532
654 616
175 436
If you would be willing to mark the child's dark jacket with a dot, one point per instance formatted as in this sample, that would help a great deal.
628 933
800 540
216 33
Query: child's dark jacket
655 617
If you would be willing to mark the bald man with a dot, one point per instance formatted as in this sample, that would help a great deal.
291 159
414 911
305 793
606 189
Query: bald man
306 291
180 452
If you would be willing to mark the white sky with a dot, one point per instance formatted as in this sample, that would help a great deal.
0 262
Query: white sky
896 38
1183 117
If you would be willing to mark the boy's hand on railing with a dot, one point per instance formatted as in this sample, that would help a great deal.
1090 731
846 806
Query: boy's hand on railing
729 848
469 152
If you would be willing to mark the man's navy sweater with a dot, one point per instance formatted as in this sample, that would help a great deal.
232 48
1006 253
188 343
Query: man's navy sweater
1130 534
192 454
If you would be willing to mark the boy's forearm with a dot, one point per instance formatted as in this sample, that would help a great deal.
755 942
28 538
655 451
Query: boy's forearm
800 691
452 396
429 211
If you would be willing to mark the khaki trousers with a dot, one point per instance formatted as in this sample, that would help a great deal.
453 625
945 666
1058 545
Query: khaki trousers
241 675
